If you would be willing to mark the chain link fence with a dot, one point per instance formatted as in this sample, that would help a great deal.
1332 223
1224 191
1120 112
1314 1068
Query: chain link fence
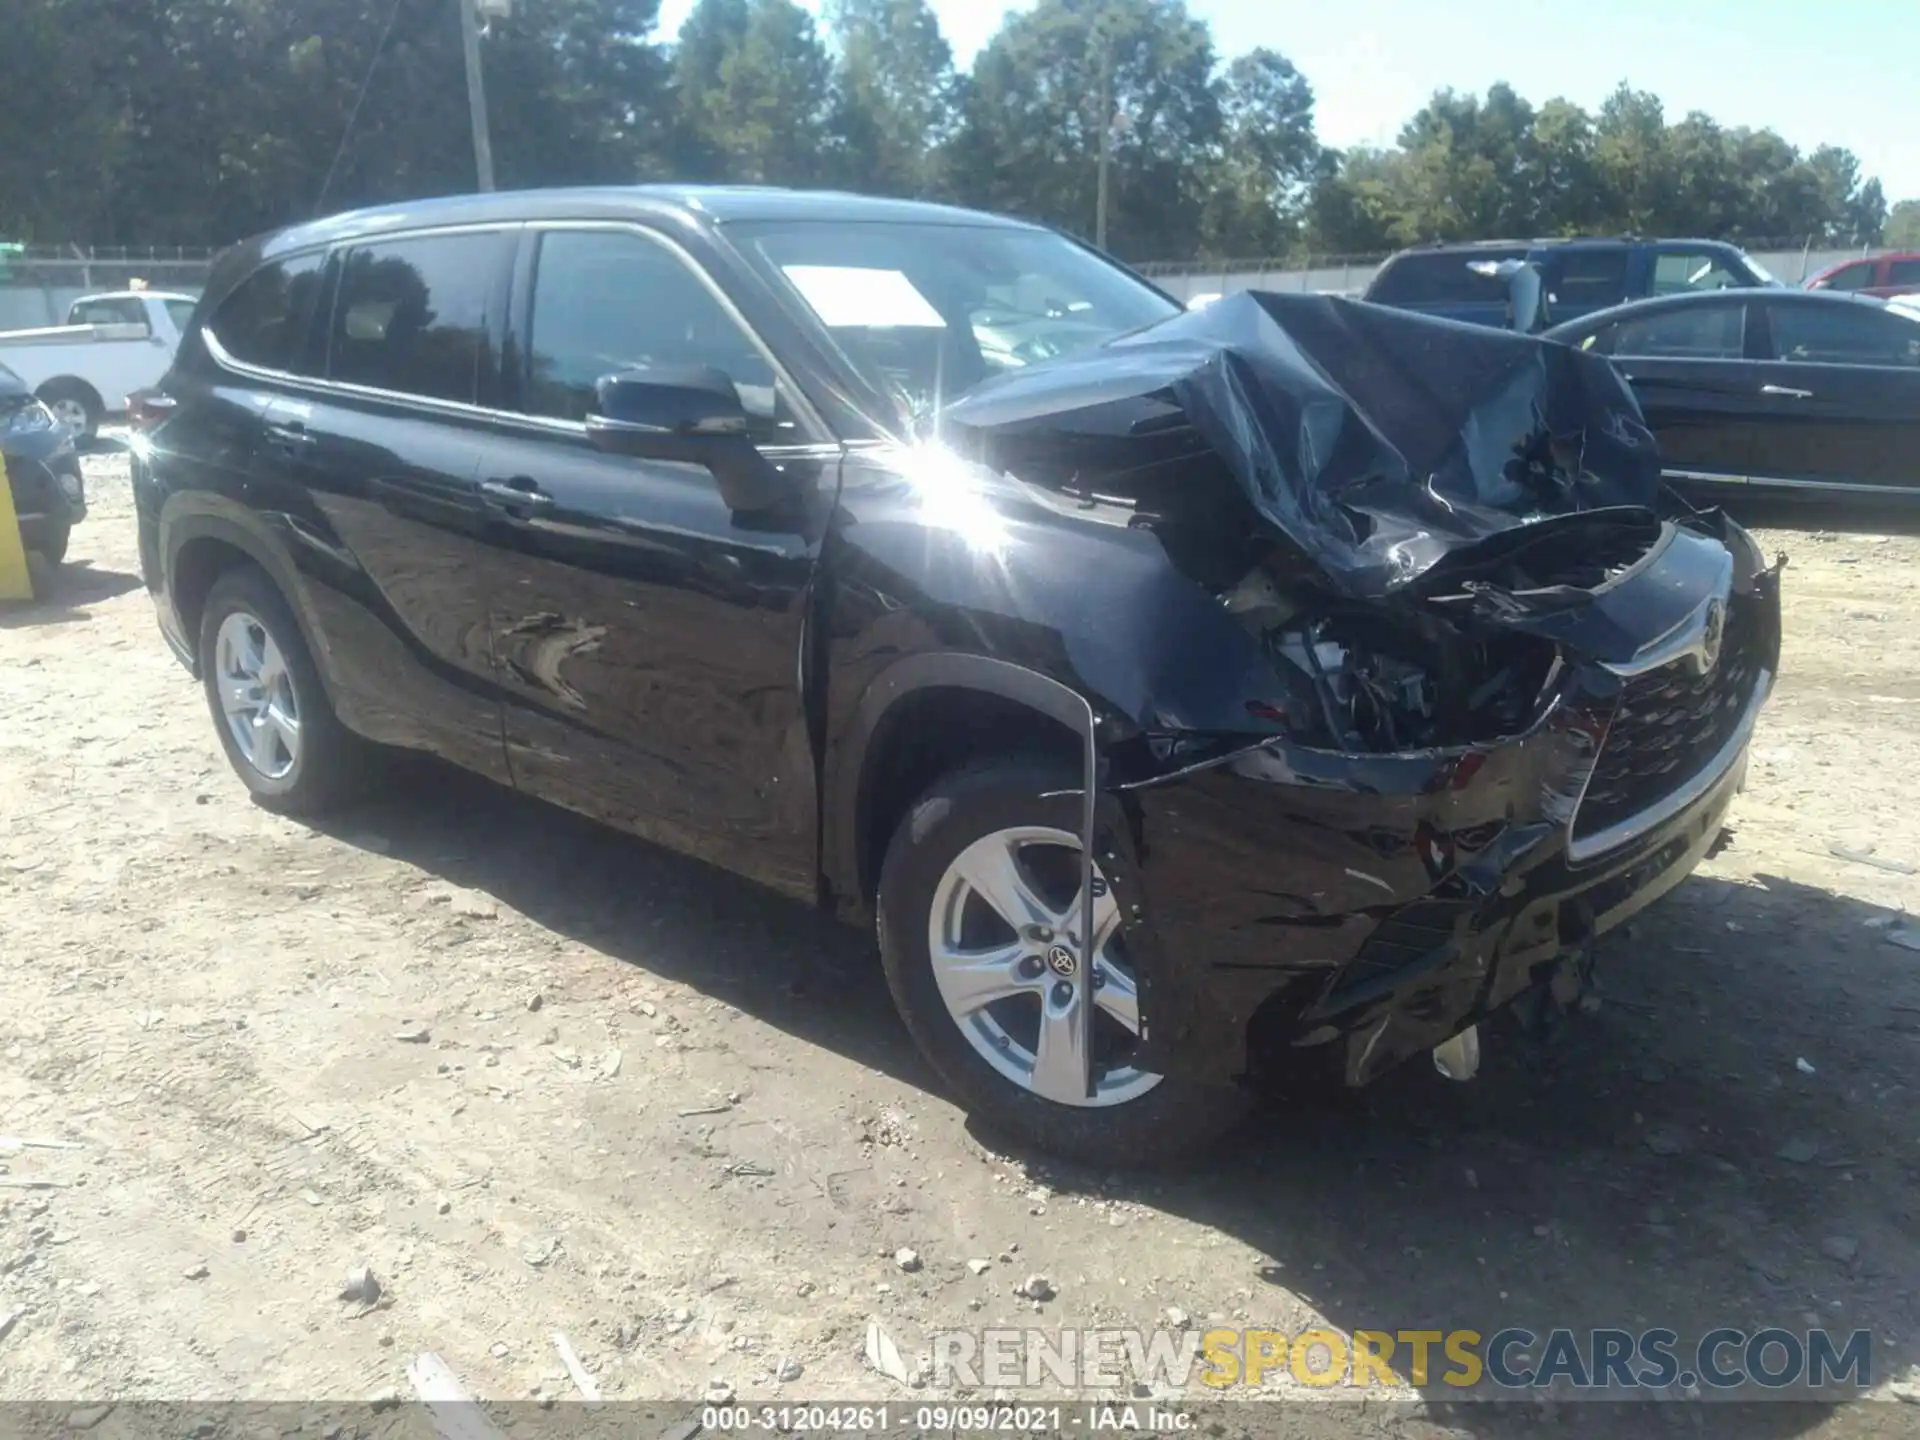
1791 260
38 282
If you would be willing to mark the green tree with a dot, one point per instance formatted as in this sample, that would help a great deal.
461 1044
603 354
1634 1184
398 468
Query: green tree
713 30
1633 163
1034 115
1867 214
583 93
60 131
1708 197
1566 187
1903 226
752 77
1256 190
207 120
1349 206
895 102
1469 168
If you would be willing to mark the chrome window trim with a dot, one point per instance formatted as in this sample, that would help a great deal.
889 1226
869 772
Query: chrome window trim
1624 832
1855 487
823 440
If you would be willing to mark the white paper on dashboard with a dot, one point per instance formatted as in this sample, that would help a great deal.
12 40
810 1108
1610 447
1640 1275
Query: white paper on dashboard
844 296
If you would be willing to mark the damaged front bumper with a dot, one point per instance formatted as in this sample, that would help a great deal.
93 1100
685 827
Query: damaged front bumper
1296 897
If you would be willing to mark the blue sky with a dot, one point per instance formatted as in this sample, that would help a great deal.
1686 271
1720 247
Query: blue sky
1845 73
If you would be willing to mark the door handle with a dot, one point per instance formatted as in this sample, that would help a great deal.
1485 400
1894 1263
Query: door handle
520 493
1786 391
290 437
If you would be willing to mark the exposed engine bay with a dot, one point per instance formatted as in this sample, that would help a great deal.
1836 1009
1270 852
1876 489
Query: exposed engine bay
1436 666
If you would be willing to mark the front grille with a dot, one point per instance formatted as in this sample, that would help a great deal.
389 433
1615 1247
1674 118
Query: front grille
1670 724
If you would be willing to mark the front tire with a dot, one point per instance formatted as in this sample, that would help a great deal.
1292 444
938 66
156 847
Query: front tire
268 705
979 917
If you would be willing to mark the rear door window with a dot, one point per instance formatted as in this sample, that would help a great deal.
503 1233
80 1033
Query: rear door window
1676 272
1442 278
1903 272
1844 333
1691 332
265 321
1586 279
412 315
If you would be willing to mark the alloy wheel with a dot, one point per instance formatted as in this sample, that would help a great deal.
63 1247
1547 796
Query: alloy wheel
257 695
1004 938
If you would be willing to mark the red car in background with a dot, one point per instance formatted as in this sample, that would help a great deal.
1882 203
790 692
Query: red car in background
1882 275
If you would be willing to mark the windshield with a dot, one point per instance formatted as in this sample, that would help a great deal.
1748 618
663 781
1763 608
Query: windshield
926 311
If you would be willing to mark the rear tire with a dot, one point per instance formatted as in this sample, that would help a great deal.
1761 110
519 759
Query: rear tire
269 708
77 407
995 1054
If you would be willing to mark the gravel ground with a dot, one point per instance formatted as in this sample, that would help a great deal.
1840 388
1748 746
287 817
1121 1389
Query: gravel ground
542 1077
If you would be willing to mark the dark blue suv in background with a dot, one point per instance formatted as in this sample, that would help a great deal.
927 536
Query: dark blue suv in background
1462 282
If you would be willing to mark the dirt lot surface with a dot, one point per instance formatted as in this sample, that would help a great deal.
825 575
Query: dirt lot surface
540 1077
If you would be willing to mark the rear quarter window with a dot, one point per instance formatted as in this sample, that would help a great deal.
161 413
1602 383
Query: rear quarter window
1441 278
265 320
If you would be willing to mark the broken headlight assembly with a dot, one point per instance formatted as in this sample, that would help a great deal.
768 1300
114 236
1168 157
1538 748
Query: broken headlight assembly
1393 683
1388 677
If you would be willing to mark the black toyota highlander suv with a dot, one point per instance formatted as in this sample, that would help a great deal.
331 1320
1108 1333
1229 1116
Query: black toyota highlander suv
1169 689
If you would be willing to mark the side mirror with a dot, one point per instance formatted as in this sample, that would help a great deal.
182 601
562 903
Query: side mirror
690 413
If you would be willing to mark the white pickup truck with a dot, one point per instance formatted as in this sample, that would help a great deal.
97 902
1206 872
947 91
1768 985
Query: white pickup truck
112 345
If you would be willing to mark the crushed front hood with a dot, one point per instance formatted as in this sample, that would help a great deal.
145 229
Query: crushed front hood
1373 441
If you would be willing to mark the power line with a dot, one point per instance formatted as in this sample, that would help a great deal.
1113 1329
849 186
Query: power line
358 100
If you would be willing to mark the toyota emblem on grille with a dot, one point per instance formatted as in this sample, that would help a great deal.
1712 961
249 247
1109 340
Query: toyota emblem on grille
1711 635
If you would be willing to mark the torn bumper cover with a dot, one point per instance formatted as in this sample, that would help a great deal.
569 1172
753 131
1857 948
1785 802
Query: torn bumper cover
1475 489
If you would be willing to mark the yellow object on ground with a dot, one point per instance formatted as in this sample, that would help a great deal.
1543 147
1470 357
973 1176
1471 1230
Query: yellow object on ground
15 582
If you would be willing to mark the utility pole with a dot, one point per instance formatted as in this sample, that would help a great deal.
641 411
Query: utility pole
476 93
1106 145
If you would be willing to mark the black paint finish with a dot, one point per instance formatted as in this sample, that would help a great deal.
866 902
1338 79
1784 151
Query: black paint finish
604 631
